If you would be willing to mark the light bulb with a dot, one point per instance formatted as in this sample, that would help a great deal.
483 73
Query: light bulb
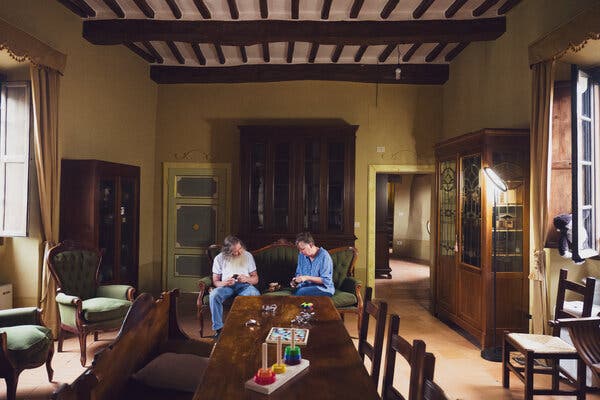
398 72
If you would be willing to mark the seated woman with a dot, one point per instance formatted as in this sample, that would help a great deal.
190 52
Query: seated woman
315 269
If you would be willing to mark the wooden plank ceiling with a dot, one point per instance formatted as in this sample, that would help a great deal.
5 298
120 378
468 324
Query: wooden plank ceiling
200 41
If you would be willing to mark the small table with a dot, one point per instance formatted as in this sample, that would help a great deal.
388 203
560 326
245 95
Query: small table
335 372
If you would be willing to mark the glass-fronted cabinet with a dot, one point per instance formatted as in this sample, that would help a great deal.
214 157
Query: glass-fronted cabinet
297 178
482 233
100 209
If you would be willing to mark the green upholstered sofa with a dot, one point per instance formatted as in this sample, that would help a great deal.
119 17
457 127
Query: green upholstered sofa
277 263
24 343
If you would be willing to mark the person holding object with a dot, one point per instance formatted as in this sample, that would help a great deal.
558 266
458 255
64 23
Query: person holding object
315 269
234 274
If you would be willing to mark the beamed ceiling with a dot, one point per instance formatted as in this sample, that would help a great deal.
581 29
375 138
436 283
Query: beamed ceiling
200 41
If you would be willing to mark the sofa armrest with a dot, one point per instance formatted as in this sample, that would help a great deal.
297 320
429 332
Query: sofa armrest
124 292
20 316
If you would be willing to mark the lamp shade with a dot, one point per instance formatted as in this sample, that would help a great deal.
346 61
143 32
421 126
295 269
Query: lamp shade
495 179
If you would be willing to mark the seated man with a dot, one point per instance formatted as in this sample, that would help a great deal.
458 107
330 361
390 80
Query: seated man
315 269
234 273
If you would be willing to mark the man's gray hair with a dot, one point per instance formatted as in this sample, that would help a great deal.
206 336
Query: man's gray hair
305 237
228 244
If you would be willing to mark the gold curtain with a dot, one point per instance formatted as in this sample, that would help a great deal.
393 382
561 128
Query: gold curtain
540 163
45 87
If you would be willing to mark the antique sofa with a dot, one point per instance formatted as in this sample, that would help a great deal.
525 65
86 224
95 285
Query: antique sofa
277 263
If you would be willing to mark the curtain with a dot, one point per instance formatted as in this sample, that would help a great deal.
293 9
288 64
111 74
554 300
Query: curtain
540 167
45 87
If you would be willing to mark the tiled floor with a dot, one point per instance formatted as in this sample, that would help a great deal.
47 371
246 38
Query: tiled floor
459 368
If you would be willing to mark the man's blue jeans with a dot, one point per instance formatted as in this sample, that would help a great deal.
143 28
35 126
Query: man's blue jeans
220 294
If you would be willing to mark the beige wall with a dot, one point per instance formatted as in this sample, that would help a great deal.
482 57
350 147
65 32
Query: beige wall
107 110
490 85
204 118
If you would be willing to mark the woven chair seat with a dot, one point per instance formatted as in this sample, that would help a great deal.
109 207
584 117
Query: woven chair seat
542 343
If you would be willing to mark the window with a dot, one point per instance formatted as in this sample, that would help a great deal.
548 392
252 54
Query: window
15 122
585 131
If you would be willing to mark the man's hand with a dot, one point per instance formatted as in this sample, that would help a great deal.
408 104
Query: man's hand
229 282
243 278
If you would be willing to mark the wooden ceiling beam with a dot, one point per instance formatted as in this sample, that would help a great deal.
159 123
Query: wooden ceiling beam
79 7
435 52
455 51
199 55
386 53
325 9
220 54
454 7
359 53
435 74
202 9
388 8
486 5
176 53
140 52
145 8
290 52
314 48
266 54
243 54
233 10
115 7
507 6
422 8
174 8
355 10
264 9
238 33
158 58
337 53
295 9
406 57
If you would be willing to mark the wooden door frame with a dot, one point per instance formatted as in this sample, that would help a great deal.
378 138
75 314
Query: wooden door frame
167 166
426 169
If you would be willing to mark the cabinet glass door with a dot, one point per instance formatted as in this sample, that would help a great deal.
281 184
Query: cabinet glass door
447 241
312 186
106 230
281 187
335 186
127 226
257 186
471 210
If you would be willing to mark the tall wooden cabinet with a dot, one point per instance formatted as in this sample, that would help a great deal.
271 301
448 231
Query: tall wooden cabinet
99 207
465 240
297 178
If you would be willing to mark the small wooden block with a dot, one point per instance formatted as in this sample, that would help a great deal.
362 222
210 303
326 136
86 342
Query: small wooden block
281 379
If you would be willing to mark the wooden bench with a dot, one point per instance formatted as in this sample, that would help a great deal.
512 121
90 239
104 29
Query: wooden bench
149 329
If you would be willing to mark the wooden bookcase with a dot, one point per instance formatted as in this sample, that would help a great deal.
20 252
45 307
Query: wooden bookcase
99 208
464 284
297 178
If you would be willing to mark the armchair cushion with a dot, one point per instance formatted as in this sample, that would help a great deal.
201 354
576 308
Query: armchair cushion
101 309
343 299
28 344
77 272
181 372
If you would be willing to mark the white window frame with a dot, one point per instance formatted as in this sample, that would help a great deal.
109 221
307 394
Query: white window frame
583 83
7 128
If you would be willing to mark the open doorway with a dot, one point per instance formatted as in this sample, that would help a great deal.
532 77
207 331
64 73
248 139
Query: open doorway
403 236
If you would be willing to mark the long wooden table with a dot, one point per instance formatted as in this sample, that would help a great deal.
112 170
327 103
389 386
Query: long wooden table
335 372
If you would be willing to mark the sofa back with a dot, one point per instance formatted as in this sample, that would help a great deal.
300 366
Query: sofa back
275 263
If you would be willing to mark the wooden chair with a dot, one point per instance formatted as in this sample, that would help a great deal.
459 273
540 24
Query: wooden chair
550 348
431 391
585 333
373 351
421 364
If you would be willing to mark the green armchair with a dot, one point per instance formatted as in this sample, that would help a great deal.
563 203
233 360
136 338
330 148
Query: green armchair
24 343
83 305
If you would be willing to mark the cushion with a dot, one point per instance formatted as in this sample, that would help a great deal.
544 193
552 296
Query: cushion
175 371
282 292
28 344
100 309
344 299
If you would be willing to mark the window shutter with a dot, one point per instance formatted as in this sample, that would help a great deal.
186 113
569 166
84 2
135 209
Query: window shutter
15 122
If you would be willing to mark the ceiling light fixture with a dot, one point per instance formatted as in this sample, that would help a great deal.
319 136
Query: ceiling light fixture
398 70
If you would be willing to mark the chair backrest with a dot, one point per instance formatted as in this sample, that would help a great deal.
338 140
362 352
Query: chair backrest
431 391
378 311
421 364
585 334
75 269
565 309
344 259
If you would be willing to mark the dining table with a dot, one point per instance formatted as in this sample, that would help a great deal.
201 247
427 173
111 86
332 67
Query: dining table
336 370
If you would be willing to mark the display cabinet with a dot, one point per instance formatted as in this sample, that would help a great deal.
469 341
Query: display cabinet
99 208
297 178
470 247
